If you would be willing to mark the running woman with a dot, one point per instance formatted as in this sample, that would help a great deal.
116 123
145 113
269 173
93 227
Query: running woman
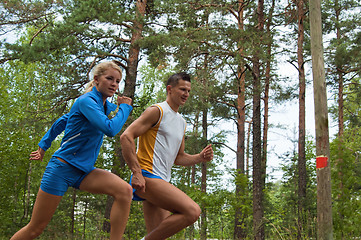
72 165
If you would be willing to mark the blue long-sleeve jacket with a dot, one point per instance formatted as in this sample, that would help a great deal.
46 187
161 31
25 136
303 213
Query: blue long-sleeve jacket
85 126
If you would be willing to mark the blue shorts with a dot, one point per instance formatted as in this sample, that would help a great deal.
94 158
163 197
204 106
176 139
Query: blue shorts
147 174
59 176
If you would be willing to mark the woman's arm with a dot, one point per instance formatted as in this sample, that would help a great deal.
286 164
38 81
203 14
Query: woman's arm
94 113
57 128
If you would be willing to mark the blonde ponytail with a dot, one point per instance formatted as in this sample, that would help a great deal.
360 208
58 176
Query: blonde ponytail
89 86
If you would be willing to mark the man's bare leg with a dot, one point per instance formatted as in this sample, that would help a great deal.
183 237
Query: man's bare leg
153 215
167 197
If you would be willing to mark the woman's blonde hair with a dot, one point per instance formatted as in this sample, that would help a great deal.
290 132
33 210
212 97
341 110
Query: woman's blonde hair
100 70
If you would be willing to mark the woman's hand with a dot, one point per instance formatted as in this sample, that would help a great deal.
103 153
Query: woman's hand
37 155
124 99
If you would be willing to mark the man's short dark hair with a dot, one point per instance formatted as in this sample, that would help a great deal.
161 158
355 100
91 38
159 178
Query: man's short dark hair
174 79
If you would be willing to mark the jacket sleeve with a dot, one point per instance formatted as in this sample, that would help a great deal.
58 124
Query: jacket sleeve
94 113
57 128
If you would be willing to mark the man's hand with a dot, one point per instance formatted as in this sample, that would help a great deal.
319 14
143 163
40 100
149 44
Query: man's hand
37 155
207 154
138 182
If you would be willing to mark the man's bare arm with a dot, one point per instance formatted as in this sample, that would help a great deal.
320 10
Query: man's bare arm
148 119
185 159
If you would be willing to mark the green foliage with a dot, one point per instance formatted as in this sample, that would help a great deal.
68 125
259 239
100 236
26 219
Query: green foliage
353 103
69 37
282 199
152 87
346 169
241 203
23 94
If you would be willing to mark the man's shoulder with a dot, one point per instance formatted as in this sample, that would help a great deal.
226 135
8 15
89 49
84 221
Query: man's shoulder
151 114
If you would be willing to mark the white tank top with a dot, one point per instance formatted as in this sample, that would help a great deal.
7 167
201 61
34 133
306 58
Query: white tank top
159 146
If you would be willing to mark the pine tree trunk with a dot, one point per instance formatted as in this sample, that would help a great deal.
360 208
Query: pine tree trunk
239 221
193 169
84 219
258 210
302 174
338 9
73 213
204 165
27 200
266 94
239 226
134 49
340 115
323 166
204 207
248 151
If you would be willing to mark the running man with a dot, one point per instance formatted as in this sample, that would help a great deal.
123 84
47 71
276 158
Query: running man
161 129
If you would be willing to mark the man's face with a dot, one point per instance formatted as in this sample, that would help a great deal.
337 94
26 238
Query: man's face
180 92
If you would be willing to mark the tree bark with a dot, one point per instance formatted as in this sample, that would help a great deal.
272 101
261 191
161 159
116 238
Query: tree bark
258 210
323 166
204 165
248 147
266 94
73 213
239 226
302 174
339 73
340 118
134 49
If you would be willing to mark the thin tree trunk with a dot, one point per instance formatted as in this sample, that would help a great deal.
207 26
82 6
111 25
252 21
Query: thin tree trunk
266 94
27 201
73 213
28 182
302 174
258 211
204 182
193 169
340 113
248 147
340 75
239 226
84 219
204 165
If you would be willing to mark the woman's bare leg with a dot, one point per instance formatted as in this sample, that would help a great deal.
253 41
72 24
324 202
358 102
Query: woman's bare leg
44 209
103 182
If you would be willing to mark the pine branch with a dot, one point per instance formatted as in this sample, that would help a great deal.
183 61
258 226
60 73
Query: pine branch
38 32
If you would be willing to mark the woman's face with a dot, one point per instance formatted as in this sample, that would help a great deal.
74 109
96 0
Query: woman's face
108 83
